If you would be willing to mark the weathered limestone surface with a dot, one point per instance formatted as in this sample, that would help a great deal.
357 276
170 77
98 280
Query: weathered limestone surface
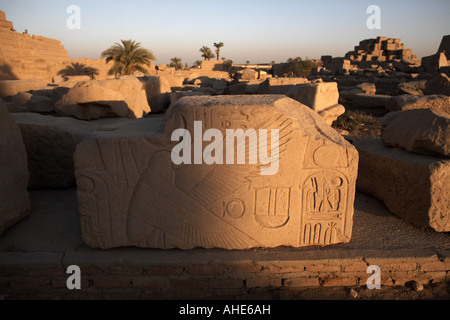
27 102
412 186
12 87
130 192
424 131
279 85
25 56
105 98
409 102
14 198
50 143
331 114
413 87
322 97
248 74
318 96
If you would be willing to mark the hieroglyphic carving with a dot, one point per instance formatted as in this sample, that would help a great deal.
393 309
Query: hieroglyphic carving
272 206
324 199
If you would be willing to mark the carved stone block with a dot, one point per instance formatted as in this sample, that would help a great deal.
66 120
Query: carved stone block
131 192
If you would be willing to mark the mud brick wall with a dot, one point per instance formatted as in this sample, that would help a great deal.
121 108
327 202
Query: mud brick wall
114 275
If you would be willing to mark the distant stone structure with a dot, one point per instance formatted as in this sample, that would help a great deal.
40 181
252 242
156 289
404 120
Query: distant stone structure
381 54
5 23
24 56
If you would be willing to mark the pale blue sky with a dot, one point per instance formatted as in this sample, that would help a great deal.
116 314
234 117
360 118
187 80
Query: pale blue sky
255 30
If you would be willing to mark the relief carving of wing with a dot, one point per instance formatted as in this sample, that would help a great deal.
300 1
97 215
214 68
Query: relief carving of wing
229 178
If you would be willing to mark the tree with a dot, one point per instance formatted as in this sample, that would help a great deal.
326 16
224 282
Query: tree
207 54
197 64
128 57
218 46
176 63
300 68
227 63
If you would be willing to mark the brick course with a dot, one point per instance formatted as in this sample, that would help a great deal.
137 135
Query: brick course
42 276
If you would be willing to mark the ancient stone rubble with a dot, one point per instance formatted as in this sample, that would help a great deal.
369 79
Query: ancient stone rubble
381 54
73 124
412 186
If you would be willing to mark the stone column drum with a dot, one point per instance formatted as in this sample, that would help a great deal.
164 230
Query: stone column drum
132 194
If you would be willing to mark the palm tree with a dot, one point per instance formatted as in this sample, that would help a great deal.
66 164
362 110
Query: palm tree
218 46
197 64
176 63
206 53
128 58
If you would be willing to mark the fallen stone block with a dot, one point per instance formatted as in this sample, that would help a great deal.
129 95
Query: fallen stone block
133 190
12 87
279 85
412 186
27 102
105 98
14 198
175 96
363 100
322 97
317 96
77 78
413 87
50 143
368 88
331 114
236 89
424 131
247 74
409 102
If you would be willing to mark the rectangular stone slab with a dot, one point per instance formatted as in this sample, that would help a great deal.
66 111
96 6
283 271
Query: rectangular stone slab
130 193
15 202
412 186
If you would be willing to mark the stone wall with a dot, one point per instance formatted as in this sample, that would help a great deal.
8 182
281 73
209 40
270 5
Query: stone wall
25 56
197 275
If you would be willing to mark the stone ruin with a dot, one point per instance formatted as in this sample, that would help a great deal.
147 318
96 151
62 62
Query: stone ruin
111 138
409 167
379 56
131 194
